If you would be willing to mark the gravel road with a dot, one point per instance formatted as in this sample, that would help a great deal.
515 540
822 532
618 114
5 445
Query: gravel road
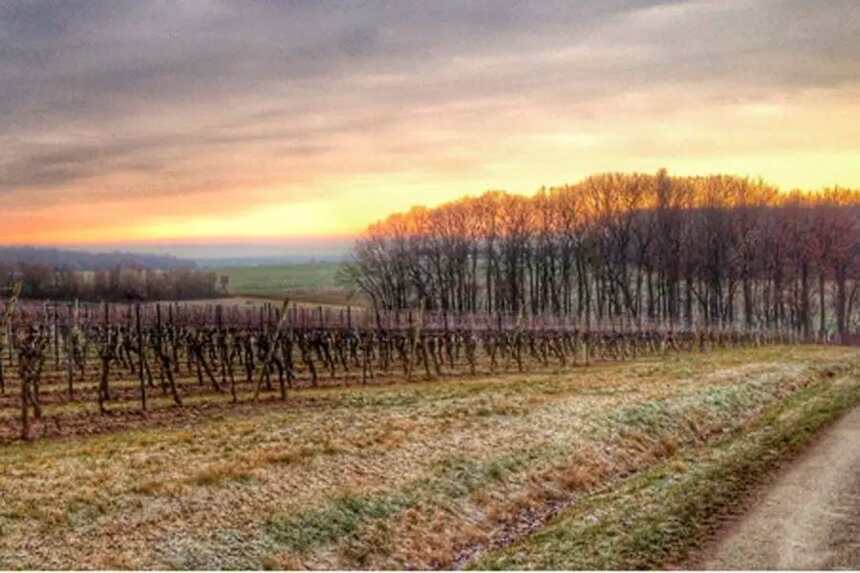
808 519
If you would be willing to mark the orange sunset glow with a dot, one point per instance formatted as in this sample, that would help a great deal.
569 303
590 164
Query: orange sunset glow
433 285
129 122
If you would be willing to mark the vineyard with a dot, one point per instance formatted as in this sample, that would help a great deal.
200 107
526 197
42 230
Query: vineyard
78 369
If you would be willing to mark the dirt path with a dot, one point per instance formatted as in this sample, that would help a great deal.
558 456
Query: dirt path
808 519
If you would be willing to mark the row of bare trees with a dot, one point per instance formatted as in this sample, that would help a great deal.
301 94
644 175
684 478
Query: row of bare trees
690 251
44 281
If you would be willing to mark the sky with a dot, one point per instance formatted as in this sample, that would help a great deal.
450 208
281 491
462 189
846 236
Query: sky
208 122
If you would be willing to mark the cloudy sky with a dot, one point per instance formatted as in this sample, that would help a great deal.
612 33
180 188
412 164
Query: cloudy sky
137 121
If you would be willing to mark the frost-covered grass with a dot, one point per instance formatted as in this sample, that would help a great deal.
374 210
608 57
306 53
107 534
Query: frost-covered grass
655 518
403 475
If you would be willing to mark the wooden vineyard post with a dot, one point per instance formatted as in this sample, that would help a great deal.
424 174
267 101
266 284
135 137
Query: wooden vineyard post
173 346
70 350
3 339
56 332
159 344
6 332
282 318
25 394
140 351
2 375
363 341
106 357
164 358
223 352
10 340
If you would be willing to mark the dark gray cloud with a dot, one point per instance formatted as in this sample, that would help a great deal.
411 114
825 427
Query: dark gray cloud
89 87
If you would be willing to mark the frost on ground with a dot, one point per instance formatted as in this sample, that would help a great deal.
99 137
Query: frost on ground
403 476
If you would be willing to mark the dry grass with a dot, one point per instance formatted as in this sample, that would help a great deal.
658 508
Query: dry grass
656 518
406 475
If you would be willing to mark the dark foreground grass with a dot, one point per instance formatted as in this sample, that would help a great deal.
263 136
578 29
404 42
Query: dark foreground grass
344 517
658 517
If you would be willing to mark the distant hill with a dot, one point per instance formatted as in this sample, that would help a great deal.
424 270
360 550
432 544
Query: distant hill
66 259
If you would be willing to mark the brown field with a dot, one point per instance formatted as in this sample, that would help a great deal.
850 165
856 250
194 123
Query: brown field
430 474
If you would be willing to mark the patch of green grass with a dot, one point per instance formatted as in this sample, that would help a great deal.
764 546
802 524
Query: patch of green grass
340 519
658 516
311 282
459 476
650 416
360 526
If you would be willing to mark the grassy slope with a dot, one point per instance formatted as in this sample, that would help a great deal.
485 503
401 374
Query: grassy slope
406 475
305 282
657 517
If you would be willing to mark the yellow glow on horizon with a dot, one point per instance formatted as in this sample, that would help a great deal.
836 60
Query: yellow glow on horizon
808 141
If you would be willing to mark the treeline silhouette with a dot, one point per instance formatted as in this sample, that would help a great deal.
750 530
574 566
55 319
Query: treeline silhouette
43 281
65 274
713 251
72 260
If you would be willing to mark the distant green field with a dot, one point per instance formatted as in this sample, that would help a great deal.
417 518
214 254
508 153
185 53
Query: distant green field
302 282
